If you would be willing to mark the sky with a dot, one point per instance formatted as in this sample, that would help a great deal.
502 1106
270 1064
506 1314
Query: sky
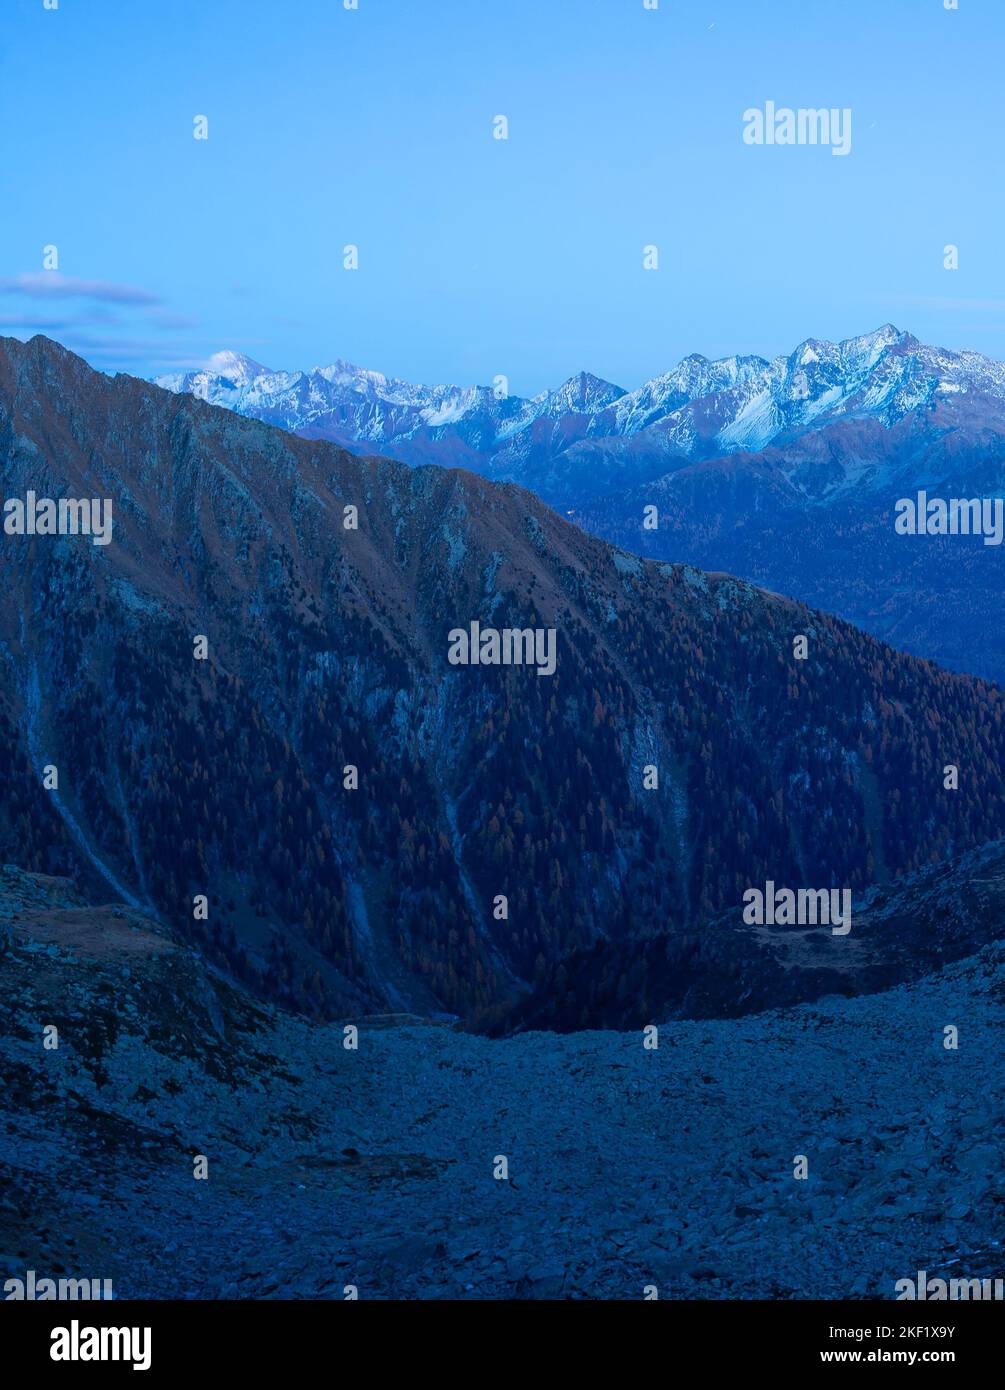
374 127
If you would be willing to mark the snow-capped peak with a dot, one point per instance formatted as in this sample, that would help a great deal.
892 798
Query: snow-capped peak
236 367
583 392
341 373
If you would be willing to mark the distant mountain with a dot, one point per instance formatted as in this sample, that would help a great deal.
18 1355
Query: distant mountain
610 437
814 517
783 472
226 778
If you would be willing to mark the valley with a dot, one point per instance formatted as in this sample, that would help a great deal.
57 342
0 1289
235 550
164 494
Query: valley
335 893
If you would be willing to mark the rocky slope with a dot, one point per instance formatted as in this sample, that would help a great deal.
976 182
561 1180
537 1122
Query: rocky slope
331 1168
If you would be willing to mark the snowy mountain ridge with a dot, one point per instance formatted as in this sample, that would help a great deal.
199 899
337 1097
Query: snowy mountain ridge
701 408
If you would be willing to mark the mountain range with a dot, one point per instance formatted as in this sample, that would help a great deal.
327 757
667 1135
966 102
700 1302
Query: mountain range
257 836
590 438
370 825
785 472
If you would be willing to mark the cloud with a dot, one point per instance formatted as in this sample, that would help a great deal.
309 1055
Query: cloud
45 323
120 350
113 346
38 324
142 330
50 284
77 312
130 354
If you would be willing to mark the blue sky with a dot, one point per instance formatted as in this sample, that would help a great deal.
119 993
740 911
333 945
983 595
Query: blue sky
480 256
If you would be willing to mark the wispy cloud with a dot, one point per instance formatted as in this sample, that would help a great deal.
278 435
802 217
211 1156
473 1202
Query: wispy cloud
37 322
109 323
41 322
76 311
50 284
118 350
115 346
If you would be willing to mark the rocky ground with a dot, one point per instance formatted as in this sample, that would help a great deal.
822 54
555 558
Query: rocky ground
330 1167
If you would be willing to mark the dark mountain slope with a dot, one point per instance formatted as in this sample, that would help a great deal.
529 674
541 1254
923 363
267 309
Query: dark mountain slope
328 647
815 517
724 968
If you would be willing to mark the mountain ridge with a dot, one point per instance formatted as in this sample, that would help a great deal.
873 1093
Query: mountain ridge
328 649
702 408
784 472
